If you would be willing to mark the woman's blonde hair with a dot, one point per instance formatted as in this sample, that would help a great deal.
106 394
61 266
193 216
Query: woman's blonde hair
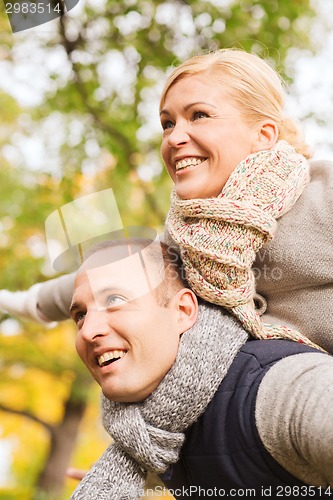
252 85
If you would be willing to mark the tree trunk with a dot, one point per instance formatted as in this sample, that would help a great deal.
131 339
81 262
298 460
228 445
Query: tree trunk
50 482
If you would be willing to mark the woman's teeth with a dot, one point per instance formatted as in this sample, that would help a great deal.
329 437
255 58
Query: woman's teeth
188 162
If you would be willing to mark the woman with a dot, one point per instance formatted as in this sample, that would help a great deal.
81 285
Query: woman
227 143
224 139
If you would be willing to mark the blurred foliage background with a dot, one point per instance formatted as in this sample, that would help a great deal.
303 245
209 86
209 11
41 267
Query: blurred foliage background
79 113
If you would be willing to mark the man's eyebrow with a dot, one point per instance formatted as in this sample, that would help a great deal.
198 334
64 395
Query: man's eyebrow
107 289
74 307
189 106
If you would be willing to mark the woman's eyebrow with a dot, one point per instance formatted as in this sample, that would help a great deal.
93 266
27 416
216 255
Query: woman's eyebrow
164 112
189 106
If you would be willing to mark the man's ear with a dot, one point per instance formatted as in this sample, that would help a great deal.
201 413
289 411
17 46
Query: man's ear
187 309
267 136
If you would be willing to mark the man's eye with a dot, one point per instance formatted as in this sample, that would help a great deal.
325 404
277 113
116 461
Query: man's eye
79 317
115 300
199 114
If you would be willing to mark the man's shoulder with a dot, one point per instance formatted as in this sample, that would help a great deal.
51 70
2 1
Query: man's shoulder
253 361
272 350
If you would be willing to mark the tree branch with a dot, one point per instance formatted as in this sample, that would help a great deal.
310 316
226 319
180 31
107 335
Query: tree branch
28 415
69 47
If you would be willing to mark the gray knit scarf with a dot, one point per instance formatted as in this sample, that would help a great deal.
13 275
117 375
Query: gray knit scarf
148 436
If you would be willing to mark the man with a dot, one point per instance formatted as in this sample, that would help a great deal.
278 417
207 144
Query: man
186 395
129 324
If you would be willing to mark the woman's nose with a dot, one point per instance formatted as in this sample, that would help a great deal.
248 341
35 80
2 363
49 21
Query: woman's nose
95 325
179 135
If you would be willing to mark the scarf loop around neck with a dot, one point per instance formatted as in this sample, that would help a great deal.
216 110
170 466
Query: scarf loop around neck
148 436
219 238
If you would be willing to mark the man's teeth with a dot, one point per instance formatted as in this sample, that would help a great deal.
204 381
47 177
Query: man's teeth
109 356
187 162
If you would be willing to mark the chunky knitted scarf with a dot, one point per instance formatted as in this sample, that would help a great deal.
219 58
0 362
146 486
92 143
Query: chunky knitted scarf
219 237
148 436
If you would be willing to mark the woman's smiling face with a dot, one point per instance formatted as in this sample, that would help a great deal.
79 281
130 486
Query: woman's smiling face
204 137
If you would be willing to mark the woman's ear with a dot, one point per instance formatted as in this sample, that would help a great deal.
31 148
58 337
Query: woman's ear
267 136
187 309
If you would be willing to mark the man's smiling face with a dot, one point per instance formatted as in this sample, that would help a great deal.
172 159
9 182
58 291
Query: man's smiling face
127 339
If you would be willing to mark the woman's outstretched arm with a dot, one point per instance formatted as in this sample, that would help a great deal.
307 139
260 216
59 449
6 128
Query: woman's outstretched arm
43 302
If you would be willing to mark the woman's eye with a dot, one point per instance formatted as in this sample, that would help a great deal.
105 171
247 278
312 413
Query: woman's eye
199 114
167 124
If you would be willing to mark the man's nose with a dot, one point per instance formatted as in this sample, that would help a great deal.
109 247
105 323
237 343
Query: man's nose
179 135
95 325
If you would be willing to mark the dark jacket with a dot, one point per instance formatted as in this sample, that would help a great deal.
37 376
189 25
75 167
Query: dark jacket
223 450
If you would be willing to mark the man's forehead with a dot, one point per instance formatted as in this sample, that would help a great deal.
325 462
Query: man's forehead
110 254
122 267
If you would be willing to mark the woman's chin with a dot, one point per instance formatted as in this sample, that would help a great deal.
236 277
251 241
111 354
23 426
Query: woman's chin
193 192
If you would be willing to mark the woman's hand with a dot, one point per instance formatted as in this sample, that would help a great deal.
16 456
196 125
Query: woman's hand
76 473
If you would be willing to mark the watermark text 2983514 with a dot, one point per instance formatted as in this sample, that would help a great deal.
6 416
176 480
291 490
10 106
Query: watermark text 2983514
27 14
